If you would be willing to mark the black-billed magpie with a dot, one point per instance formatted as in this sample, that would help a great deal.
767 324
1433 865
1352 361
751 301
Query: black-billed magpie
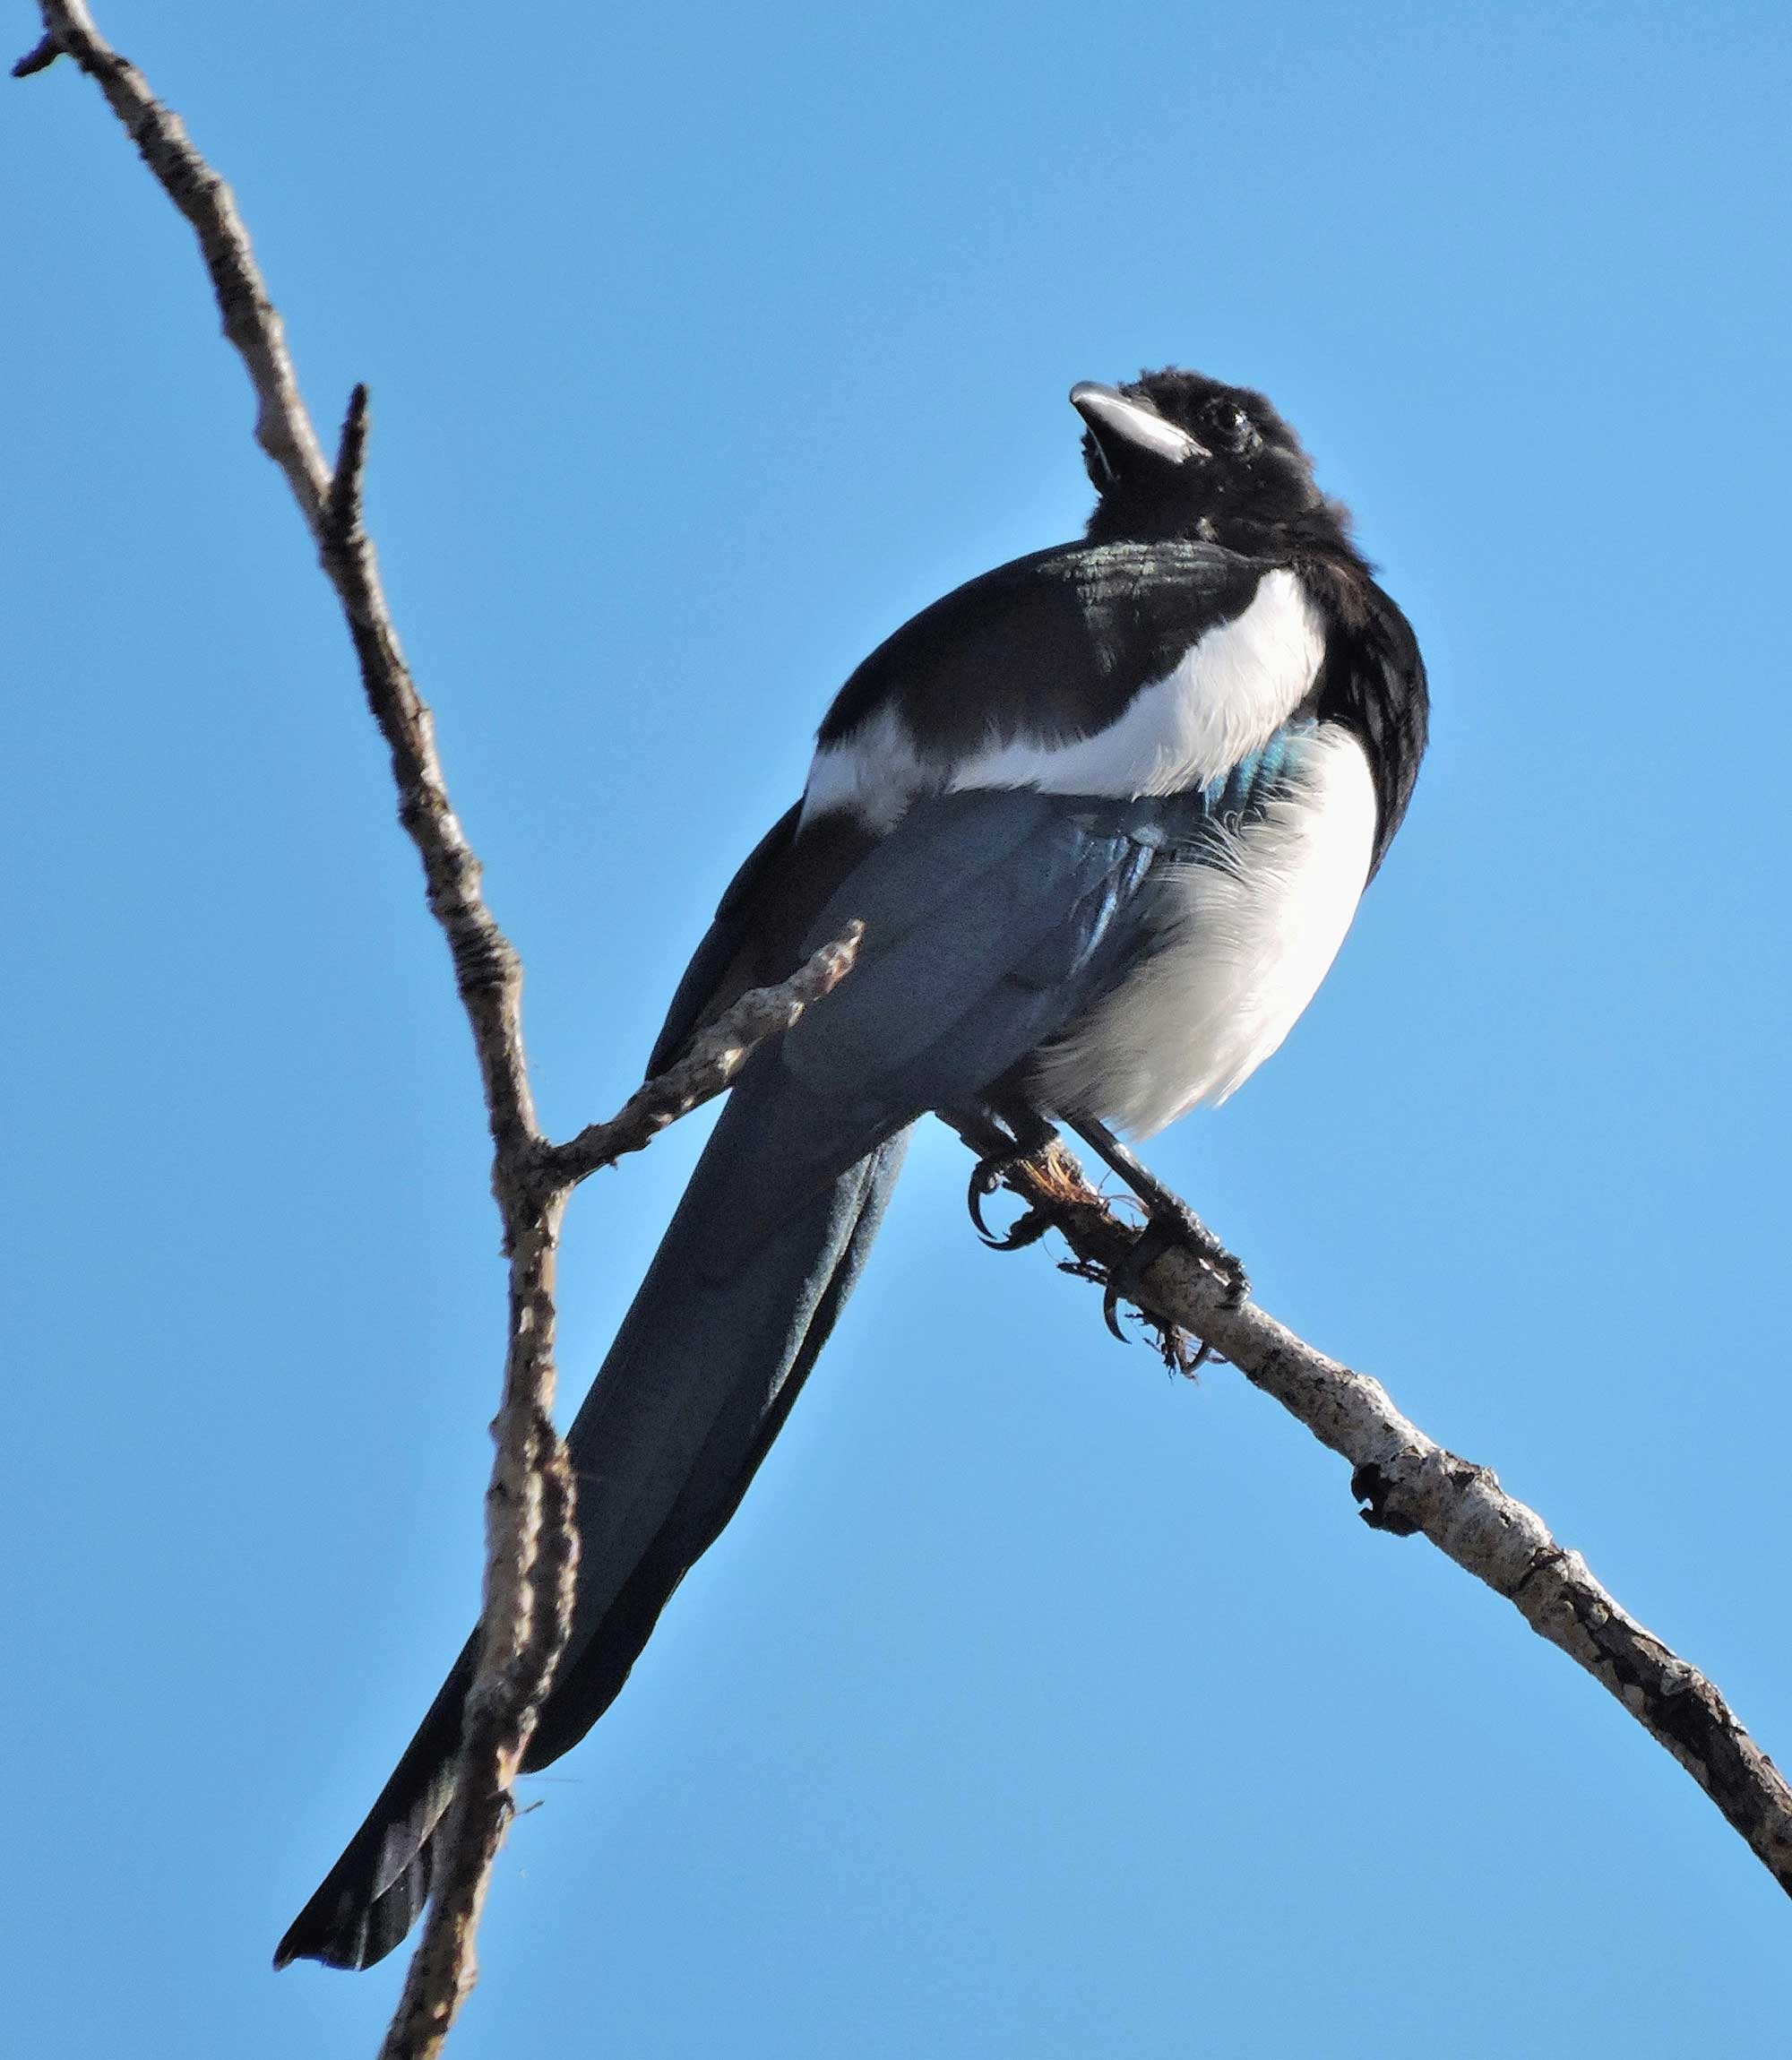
1106 814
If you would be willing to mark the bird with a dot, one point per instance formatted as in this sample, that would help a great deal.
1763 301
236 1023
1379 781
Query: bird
1106 814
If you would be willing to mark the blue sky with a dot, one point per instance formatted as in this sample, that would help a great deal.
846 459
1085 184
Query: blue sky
1035 1706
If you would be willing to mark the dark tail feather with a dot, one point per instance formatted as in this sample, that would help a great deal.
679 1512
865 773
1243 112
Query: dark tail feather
376 1890
702 1375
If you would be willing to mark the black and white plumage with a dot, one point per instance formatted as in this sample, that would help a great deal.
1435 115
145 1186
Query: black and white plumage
1105 813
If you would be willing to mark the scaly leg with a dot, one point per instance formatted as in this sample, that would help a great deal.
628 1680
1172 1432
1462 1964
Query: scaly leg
1169 1222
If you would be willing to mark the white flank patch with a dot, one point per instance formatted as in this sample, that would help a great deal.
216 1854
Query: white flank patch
873 774
1225 698
1247 944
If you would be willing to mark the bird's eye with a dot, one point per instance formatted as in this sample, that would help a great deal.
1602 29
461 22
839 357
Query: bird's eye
1245 435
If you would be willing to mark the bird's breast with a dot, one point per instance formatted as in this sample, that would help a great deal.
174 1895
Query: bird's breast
1239 950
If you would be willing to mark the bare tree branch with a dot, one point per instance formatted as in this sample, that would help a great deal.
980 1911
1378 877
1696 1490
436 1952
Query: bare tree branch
715 1057
1408 1482
251 322
531 1540
1412 1483
531 1555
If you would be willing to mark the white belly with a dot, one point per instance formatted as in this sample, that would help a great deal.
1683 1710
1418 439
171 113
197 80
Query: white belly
1243 950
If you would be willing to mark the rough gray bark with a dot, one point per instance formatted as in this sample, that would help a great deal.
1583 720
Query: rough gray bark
1408 1483
531 1540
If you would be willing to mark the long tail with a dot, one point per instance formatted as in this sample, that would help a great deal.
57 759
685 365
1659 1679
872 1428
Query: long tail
703 1372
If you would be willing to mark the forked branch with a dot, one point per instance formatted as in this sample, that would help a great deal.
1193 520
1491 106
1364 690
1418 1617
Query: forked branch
531 1539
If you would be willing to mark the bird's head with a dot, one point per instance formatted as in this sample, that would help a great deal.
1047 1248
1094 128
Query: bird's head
1175 454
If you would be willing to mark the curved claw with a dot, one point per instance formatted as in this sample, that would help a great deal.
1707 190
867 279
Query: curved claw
985 1179
983 1182
1110 1312
1237 1281
1027 1229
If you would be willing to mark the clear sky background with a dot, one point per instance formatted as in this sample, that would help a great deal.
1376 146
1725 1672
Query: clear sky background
1035 1705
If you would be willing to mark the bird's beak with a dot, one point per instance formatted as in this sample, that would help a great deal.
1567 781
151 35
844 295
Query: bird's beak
1117 423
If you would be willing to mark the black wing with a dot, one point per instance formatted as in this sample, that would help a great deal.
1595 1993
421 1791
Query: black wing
1063 639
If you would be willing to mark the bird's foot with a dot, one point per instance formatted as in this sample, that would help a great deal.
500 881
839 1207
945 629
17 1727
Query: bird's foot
1172 1226
1000 1150
989 1174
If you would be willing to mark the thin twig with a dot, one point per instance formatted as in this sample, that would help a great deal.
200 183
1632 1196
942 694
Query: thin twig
531 1555
283 426
39 59
1411 1484
532 1539
522 1641
714 1058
